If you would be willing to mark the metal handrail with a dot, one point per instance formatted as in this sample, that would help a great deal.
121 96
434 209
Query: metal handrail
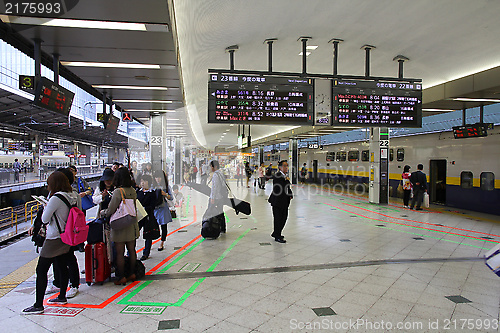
36 206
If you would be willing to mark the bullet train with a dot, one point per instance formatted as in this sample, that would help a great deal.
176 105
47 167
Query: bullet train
461 173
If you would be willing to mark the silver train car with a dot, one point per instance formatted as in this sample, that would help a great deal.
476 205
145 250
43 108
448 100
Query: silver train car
461 173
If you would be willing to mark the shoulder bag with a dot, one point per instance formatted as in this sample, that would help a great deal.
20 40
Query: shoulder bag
125 215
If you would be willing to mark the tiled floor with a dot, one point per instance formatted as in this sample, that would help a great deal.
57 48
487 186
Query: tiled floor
347 274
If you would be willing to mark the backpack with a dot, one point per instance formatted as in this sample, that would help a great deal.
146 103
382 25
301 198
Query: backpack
76 230
38 237
195 170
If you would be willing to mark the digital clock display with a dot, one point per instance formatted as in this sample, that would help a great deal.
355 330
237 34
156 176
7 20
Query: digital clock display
470 131
53 97
367 103
260 99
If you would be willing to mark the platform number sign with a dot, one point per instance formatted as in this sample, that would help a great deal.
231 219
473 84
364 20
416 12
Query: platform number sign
384 143
156 140
126 117
27 83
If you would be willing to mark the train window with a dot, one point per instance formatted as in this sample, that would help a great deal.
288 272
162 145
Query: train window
487 181
1 165
400 155
466 179
330 156
353 155
391 154
365 155
341 156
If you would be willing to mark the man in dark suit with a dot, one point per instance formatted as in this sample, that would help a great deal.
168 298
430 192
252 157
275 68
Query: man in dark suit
280 200
418 181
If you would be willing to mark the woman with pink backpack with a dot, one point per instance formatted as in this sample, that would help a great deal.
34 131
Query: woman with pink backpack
54 218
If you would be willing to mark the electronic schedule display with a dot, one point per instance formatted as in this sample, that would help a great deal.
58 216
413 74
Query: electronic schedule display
260 99
367 103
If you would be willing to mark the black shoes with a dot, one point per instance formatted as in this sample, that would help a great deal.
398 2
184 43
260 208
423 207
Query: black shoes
32 310
143 258
58 300
418 208
280 240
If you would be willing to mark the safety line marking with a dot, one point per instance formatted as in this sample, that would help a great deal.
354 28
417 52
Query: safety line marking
12 280
190 291
446 240
133 284
433 224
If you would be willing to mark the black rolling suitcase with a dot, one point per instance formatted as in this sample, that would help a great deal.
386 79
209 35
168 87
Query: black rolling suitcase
210 228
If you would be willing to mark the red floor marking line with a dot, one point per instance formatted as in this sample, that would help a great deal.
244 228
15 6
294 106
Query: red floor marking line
444 226
363 198
409 225
163 262
133 284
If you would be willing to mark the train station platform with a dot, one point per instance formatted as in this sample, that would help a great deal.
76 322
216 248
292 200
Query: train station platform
347 266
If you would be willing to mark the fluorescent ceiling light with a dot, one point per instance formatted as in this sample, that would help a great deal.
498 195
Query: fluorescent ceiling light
142 101
107 86
108 65
438 110
476 100
311 47
84 24
307 53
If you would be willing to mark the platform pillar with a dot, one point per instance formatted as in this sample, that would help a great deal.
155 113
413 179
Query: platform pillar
378 192
157 142
178 161
293 160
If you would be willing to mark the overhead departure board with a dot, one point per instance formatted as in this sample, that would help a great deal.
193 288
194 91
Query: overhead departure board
260 99
54 97
470 131
367 103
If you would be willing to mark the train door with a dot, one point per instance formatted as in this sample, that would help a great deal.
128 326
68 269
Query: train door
437 181
315 171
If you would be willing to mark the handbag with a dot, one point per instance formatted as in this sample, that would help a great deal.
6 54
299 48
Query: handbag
87 201
141 212
125 215
151 229
96 231
163 214
173 214
426 200
238 204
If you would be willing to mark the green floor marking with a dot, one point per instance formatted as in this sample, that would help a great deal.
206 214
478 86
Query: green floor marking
190 291
366 204
422 235
147 283
187 204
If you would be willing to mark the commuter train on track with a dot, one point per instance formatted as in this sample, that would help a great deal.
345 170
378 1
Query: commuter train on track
461 173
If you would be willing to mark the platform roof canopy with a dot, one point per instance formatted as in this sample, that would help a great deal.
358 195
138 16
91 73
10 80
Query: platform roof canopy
450 44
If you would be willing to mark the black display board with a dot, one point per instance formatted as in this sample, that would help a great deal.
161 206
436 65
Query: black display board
368 103
53 97
260 99
471 131
112 123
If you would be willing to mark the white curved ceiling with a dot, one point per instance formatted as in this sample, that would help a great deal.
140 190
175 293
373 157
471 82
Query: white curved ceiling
444 40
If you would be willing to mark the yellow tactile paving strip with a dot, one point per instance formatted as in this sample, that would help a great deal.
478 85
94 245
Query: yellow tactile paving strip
15 278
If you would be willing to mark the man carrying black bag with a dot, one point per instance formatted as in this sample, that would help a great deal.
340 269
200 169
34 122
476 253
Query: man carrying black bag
280 200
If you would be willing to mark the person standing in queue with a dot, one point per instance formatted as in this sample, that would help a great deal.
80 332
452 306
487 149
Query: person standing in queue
54 218
405 176
127 236
418 181
248 172
218 194
280 200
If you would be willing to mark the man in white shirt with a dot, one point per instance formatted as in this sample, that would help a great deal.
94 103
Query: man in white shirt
219 192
